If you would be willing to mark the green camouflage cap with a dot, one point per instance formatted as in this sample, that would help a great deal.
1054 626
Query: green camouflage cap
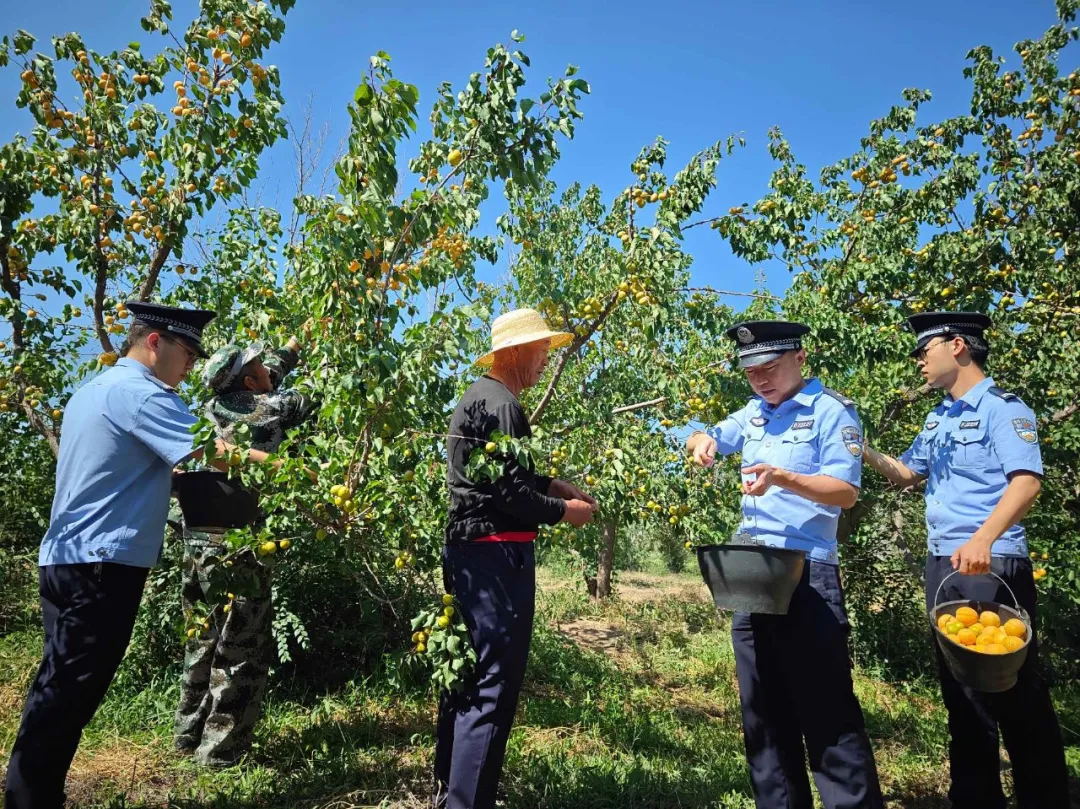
222 369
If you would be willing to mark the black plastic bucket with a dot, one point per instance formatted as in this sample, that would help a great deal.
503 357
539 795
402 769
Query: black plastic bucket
751 578
982 672
212 501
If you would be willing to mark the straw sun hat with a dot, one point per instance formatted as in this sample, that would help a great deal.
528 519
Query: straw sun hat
519 327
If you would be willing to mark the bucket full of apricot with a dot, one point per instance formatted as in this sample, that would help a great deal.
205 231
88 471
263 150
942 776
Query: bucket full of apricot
984 643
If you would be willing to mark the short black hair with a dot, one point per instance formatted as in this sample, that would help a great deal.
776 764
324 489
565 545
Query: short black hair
977 347
136 334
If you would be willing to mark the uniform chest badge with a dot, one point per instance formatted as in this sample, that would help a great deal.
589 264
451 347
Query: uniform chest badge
932 425
1025 428
759 421
852 440
970 425
803 425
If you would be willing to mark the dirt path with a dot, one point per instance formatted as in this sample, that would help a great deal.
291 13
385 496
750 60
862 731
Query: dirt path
609 637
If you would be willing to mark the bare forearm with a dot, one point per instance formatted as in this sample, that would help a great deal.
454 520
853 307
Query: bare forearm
823 489
1020 495
224 450
895 470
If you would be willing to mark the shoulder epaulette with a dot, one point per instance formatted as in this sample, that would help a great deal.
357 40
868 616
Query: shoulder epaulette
994 389
845 401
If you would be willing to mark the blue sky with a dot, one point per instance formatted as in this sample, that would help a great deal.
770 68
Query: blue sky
691 72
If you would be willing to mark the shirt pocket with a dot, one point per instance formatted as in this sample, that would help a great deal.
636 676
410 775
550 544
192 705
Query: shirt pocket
753 445
970 449
797 452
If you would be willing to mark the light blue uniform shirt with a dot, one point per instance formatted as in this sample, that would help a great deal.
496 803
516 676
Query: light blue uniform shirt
123 432
966 450
815 432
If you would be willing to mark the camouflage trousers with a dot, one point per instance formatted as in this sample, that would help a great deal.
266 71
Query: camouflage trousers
225 669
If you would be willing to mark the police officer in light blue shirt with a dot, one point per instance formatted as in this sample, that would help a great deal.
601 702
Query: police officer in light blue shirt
123 433
978 452
801 446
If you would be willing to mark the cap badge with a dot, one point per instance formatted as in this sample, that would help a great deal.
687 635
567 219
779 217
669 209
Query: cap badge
745 335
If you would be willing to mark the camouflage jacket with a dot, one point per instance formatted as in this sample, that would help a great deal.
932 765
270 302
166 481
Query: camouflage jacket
268 415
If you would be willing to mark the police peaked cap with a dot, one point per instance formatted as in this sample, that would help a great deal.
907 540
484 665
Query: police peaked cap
761 341
947 324
185 323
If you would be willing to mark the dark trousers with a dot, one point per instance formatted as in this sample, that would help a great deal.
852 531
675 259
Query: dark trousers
89 612
797 701
1024 714
495 586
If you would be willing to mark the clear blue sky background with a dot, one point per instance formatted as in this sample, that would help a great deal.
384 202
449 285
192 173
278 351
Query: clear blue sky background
691 72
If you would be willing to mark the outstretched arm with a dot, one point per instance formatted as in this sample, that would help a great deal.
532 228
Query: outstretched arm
895 470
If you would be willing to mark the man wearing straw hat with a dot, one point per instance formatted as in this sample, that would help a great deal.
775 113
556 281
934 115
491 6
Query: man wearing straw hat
488 562
978 452
801 446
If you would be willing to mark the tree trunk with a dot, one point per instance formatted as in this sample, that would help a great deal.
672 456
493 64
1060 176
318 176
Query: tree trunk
600 587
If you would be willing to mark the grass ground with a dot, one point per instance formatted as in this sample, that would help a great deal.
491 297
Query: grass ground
630 703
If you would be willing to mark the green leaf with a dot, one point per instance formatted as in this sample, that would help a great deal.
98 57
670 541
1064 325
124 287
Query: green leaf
363 94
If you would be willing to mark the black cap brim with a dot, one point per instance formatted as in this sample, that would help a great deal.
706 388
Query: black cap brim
754 360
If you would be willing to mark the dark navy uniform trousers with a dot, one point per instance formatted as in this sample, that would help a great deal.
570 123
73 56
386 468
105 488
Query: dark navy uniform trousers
495 585
797 701
89 612
1024 714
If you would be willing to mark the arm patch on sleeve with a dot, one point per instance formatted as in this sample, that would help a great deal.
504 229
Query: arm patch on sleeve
852 440
1025 428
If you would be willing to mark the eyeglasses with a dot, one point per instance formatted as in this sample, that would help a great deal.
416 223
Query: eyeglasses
191 355
921 354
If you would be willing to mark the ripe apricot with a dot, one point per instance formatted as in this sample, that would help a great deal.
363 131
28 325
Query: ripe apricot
1012 644
966 637
967 616
1015 628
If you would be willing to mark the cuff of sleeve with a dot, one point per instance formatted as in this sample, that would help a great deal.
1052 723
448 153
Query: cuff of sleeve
558 509
1012 468
843 474
916 467
186 456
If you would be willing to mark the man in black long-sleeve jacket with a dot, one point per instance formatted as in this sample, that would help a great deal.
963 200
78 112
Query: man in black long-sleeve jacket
488 561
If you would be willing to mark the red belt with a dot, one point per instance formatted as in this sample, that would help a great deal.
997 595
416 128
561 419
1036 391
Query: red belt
509 536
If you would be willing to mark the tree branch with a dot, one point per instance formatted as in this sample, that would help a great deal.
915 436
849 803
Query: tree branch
901 544
893 410
639 405
150 282
712 291
11 287
572 349
101 277
1062 414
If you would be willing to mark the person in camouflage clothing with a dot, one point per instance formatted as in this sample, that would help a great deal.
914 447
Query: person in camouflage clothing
225 669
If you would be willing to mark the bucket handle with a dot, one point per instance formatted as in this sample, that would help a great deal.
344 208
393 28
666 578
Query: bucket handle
1016 602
